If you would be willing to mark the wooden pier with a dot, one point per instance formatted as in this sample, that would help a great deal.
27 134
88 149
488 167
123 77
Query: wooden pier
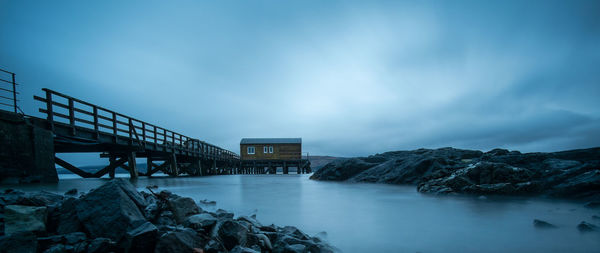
80 127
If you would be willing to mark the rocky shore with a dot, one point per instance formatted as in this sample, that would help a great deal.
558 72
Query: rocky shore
115 217
566 174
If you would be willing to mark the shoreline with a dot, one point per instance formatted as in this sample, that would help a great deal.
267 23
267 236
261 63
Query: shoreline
127 218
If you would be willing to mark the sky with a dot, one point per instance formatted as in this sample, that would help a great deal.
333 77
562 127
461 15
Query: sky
352 78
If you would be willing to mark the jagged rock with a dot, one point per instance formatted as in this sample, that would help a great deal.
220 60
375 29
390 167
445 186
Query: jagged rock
587 227
182 207
596 217
67 220
178 241
222 214
250 220
58 248
240 249
265 242
573 174
542 224
100 245
203 220
109 211
24 219
142 238
20 242
294 232
232 233
295 248
72 192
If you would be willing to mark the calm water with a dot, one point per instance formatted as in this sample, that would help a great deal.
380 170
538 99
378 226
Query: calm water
383 218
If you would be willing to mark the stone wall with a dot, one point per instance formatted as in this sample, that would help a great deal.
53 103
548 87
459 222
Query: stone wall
26 151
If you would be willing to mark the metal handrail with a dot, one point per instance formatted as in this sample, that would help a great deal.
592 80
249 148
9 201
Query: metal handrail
12 92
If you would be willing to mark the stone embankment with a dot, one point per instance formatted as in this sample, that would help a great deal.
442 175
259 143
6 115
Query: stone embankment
566 174
115 217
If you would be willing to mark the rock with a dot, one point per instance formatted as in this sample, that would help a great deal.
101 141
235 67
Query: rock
72 192
596 217
295 248
151 211
142 238
178 241
20 242
294 232
58 248
592 205
100 245
200 221
250 220
542 224
108 211
232 233
264 241
587 227
182 207
240 249
222 214
67 220
24 219
74 238
208 202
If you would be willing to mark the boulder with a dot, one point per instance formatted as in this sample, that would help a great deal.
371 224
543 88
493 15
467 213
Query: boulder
142 239
542 224
182 207
200 221
100 245
178 241
222 214
72 192
109 211
20 242
294 232
232 233
587 227
24 219
295 248
240 249
58 248
66 218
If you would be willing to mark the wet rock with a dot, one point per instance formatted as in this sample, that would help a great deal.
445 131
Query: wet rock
74 238
67 220
182 207
592 205
542 224
208 202
179 241
222 214
200 221
58 248
20 242
109 211
596 217
100 245
24 219
240 249
264 241
142 238
232 233
295 248
251 220
72 192
294 232
587 227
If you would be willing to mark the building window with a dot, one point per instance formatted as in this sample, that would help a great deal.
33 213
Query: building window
251 150
265 149
271 149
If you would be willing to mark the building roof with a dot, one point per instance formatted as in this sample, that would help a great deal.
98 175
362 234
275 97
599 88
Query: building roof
271 141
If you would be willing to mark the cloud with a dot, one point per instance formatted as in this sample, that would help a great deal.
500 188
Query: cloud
351 78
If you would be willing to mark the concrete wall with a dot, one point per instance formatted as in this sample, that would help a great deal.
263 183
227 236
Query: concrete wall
26 151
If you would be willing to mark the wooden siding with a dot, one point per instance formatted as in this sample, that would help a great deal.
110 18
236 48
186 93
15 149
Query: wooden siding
280 152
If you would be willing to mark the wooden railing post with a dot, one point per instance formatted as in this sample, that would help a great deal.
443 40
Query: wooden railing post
114 123
14 84
71 116
130 133
144 132
49 111
95 110
154 131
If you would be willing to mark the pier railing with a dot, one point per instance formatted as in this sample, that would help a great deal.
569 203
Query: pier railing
8 90
66 110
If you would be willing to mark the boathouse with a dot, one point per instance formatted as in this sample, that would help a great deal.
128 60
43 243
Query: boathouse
258 153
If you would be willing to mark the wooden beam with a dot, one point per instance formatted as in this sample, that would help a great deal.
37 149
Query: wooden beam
72 168
111 167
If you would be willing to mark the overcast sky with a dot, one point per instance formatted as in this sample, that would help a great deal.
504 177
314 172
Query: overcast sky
349 77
